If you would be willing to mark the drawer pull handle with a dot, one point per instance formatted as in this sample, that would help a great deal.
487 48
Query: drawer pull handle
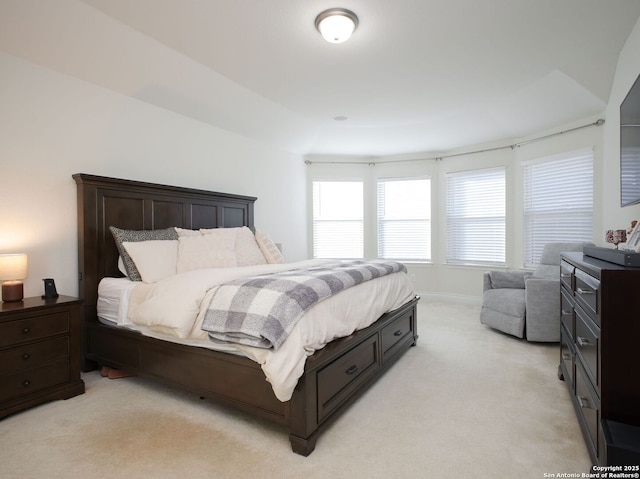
566 356
583 341
584 291
565 275
26 383
26 330
398 332
26 356
351 370
567 313
584 402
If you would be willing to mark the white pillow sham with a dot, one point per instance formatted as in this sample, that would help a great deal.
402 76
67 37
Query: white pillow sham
154 259
248 252
246 249
269 249
214 250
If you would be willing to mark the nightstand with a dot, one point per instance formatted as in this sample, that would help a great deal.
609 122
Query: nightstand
39 352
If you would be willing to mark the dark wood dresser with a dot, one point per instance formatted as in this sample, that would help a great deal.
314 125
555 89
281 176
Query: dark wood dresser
599 354
39 352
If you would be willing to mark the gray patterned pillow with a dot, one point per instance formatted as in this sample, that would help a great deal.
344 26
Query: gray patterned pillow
120 236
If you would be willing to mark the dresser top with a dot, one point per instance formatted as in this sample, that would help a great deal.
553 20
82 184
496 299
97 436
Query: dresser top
596 267
36 302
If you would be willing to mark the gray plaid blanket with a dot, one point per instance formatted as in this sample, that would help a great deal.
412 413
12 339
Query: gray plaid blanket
261 311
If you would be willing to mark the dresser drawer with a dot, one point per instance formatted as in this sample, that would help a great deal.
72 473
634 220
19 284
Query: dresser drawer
587 344
566 275
567 317
586 293
589 409
567 355
32 380
33 354
36 327
337 381
395 332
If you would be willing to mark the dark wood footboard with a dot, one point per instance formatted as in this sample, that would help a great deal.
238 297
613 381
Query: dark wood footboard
337 375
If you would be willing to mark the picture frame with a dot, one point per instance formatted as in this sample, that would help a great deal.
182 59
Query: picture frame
633 239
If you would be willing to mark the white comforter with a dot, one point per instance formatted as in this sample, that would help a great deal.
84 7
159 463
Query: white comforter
175 306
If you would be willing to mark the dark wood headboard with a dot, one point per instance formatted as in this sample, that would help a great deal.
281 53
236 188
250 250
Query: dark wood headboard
135 205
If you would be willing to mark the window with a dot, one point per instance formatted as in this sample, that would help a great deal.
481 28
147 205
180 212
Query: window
404 219
476 217
558 202
338 229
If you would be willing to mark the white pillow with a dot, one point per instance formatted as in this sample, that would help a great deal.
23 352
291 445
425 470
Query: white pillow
186 232
154 259
269 249
213 250
248 252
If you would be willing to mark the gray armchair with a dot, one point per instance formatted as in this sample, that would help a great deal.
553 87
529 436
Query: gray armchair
524 303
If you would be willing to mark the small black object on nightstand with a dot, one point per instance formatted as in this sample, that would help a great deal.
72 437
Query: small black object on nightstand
49 289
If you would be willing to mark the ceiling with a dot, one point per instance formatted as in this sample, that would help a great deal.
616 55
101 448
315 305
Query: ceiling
416 76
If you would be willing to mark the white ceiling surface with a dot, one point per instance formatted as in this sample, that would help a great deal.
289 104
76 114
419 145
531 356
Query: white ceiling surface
416 76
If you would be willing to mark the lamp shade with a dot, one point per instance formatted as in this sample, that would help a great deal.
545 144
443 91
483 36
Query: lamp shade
336 24
13 266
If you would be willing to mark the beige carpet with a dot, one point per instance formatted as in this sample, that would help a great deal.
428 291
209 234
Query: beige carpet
465 402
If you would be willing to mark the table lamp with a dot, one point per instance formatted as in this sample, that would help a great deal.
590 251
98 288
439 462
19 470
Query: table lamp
13 268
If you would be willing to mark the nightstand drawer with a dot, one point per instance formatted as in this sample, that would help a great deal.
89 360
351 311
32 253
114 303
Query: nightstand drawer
29 381
33 354
36 327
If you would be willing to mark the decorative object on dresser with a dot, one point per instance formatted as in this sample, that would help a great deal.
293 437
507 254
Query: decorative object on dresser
599 361
13 268
333 377
616 237
39 352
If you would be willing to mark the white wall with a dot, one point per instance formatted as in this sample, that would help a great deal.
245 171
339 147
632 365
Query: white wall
52 125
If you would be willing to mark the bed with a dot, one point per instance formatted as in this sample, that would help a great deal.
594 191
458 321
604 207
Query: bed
333 377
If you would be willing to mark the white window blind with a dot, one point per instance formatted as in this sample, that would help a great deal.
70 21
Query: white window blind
404 219
476 217
338 228
558 202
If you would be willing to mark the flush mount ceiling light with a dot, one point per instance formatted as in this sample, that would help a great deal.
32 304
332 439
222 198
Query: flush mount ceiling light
336 24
